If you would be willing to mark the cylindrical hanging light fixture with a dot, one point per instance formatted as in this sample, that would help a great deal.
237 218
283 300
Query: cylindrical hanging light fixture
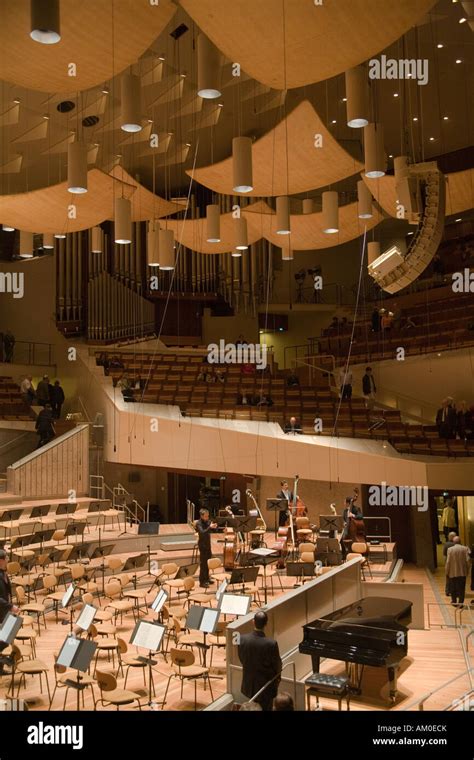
213 218
131 103
373 251
152 244
308 206
240 231
208 68
330 212
96 242
374 151
236 254
287 252
242 164
48 241
123 221
26 245
7 228
77 168
166 248
283 215
60 235
44 16
364 197
357 95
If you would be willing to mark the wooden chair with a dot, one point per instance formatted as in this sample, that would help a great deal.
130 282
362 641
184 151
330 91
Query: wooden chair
64 678
35 609
129 661
360 549
182 663
28 668
114 695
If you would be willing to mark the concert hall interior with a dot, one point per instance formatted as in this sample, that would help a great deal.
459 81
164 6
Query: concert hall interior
236 355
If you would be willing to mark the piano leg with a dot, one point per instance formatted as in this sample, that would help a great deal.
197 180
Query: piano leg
392 677
315 661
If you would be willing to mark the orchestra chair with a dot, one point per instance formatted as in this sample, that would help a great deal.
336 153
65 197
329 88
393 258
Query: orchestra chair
214 564
271 573
108 645
306 546
114 695
62 570
63 677
113 592
50 583
360 549
182 662
130 661
18 576
35 609
168 581
41 562
217 640
78 573
28 668
27 634
115 564
303 529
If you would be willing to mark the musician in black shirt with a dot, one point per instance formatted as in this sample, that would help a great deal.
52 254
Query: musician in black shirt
203 528
350 511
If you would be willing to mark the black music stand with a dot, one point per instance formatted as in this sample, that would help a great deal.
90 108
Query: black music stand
277 505
186 571
102 551
148 636
331 524
243 575
8 631
67 508
76 654
300 570
80 549
12 515
134 563
75 529
203 619
41 511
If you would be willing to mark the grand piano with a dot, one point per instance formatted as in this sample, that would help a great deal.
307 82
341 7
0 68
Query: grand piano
372 631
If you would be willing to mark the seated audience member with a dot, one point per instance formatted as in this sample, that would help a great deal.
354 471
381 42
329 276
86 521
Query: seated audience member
27 390
210 377
283 702
45 425
334 326
220 375
248 369
57 399
387 321
264 400
446 419
292 380
293 426
115 363
242 400
202 377
369 389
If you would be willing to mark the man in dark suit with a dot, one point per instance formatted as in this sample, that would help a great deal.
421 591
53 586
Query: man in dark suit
293 427
285 493
260 658
203 528
446 419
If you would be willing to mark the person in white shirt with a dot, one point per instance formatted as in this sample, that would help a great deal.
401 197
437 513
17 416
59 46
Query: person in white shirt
27 390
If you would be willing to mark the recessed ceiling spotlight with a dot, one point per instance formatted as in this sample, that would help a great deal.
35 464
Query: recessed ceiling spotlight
458 220
395 94
188 145
445 118
344 100
105 90
183 76
150 121
161 57
462 20
431 139
458 60
410 233
45 116
415 118
170 134
17 101
390 155
220 105
334 121
439 45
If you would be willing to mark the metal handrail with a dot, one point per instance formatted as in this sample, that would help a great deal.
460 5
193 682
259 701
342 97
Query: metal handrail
119 489
425 697
278 675
31 357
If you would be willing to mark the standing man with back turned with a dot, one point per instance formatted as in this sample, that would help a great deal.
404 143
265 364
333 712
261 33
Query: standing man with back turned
203 528
260 658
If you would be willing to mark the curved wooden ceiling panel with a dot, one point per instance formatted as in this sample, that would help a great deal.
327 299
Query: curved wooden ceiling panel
86 41
145 205
339 34
309 167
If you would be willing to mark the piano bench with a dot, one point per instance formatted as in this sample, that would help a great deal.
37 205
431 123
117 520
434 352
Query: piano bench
325 685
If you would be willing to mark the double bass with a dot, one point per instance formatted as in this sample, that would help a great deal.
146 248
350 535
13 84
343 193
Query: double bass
288 531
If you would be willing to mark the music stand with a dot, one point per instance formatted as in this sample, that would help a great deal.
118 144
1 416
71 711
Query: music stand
243 575
75 529
331 523
41 511
221 590
76 654
300 570
86 617
148 636
79 550
235 604
8 631
203 619
186 571
67 596
68 508
134 563
102 551
277 505
159 601
11 515
42 536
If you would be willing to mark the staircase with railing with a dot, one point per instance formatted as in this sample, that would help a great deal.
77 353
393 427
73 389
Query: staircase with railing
121 499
